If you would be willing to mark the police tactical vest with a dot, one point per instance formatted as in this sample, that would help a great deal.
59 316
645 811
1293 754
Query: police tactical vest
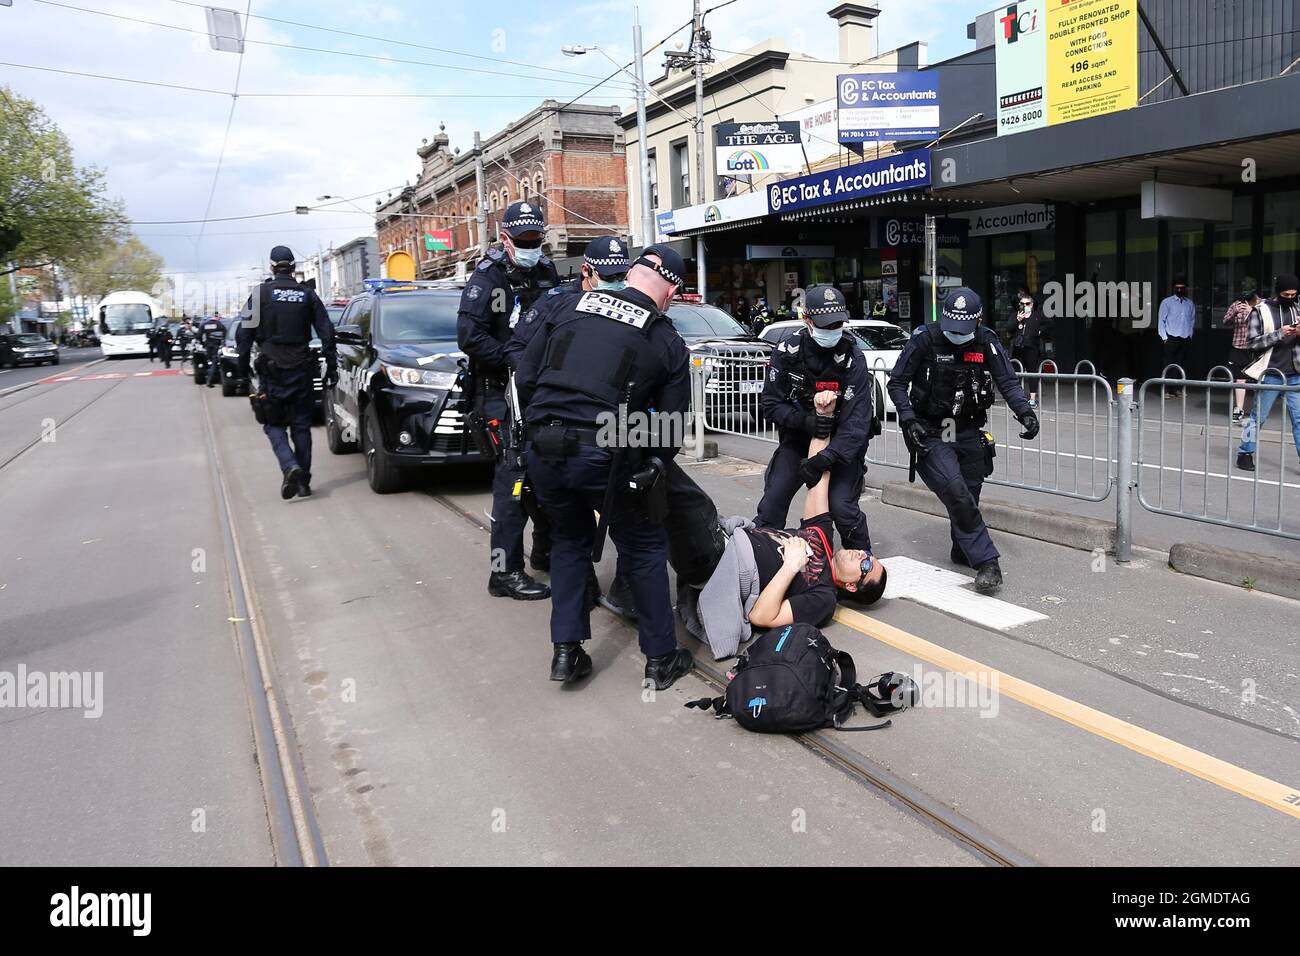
525 289
286 313
213 333
603 348
954 381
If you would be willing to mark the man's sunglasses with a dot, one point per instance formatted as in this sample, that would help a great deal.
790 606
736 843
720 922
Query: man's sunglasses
527 243
867 564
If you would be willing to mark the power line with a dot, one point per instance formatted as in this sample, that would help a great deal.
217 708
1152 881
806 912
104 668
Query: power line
200 89
418 46
307 49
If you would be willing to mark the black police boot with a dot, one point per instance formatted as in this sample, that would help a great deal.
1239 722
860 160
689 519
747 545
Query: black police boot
958 556
517 585
988 576
619 599
304 485
289 487
570 662
1245 461
662 672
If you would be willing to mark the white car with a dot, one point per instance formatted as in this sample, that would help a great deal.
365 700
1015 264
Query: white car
882 343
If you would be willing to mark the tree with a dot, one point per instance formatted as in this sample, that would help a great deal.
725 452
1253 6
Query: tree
125 263
50 208
8 307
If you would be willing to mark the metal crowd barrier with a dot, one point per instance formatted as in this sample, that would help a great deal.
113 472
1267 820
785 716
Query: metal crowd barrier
1186 466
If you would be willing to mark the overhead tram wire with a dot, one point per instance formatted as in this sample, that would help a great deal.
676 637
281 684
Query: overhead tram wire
225 140
307 49
201 89
397 42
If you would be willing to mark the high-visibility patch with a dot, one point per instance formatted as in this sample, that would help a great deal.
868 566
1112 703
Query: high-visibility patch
612 307
973 357
828 387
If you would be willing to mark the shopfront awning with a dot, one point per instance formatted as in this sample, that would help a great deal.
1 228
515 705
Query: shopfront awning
918 202
1208 139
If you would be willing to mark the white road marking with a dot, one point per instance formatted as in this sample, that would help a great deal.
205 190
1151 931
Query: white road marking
948 591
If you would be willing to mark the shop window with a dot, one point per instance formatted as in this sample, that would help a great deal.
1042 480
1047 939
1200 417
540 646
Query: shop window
1281 237
681 174
1141 246
1186 258
1232 257
654 178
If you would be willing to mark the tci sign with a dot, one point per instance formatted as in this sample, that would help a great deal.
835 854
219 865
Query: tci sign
908 170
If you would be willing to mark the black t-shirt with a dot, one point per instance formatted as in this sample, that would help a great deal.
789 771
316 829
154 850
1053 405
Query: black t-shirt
812 592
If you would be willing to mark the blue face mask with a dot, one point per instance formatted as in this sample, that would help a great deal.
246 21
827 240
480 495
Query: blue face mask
826 338
526 258
611 285
956 339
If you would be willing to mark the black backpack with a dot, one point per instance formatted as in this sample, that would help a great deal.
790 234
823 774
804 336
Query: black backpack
792 680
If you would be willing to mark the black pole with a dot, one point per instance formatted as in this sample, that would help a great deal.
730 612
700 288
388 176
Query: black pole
1173 70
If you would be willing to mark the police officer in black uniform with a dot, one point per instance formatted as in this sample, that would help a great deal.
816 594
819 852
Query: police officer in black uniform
594 353
280 316
211 334
942 386
604 267
165 340
504 286
820 356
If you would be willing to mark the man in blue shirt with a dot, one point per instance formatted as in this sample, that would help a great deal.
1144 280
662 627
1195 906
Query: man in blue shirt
1177 322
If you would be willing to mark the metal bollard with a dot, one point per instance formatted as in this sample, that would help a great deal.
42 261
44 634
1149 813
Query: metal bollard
1124 395
697 404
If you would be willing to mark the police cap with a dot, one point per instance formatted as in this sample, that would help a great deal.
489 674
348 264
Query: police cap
670 266
282 254
961 312
521 217
608 256
825 305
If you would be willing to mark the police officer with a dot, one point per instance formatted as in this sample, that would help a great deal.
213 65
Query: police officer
185 339
594 353
211 334
819 357
942 386
165 340
280 316
506 284
604 268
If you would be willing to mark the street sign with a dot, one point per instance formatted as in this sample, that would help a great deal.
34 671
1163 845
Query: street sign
438 240
757 149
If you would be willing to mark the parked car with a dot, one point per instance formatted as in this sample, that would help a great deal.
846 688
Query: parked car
882 342
734 360
399 397
27 348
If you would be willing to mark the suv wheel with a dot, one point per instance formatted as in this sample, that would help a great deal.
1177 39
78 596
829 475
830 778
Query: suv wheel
334 429
383 476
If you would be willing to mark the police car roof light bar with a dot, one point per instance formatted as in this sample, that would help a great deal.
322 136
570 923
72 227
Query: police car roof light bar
404 285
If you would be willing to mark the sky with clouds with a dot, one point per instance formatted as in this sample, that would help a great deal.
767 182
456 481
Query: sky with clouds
470 66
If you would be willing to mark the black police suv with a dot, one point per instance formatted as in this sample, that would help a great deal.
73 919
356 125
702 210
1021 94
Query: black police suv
731 387
399 397
22 348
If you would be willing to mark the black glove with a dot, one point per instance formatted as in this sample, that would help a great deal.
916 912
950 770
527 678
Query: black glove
1030 421
914 436
823 426
331 374
812 469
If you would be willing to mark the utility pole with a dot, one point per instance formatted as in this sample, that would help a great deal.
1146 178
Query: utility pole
702 54
643 149
482 196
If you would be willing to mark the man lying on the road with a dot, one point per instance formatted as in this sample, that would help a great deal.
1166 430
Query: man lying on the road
734 577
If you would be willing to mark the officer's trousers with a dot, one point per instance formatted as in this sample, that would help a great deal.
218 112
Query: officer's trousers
569 490
214 364
291 391
508 512
781 482
955 472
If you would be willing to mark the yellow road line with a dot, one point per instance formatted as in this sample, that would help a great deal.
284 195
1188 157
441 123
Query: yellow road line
1270 793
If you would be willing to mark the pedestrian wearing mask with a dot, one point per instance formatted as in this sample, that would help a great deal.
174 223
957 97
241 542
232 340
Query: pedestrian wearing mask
1026 340
1237 318
1176 325
1274 337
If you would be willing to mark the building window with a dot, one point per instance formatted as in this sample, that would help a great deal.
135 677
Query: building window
1281 238
654 178
537 185
1232 256
681 174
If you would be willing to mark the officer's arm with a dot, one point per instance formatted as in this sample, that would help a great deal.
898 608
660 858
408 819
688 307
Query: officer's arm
478 302
320 320
775 401
853 427
900 379
817 501
674 396
1008 381
244 336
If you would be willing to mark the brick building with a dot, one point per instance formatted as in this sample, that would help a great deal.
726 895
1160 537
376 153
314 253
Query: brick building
570 161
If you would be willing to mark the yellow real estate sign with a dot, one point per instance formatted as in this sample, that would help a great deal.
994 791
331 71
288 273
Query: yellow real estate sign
1092 62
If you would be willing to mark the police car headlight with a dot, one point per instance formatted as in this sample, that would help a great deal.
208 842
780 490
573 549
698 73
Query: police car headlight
420 378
